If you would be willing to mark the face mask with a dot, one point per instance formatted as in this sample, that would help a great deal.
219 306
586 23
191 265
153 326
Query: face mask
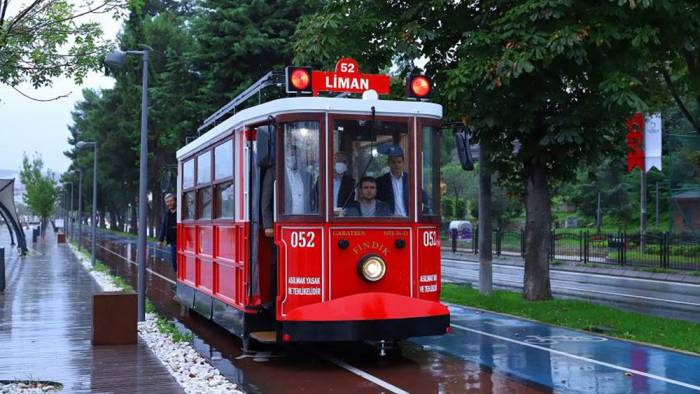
340 168
291 162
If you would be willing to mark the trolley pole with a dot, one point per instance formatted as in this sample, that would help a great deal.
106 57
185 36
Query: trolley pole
485 254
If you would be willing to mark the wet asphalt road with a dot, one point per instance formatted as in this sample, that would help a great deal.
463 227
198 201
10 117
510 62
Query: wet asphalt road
654 297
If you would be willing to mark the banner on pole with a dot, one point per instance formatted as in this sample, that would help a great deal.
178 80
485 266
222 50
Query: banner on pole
635 142
652 142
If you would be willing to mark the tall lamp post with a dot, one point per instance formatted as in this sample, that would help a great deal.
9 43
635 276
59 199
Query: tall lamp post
116 59
80 207
82 145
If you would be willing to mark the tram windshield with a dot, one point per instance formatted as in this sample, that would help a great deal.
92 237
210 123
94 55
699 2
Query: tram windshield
370 169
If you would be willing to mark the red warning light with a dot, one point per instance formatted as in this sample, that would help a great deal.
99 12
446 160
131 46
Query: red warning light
419 86
298 79
286 337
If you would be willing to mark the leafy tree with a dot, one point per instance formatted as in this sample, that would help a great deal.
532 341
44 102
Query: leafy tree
41 192
556 77
238 42
45 39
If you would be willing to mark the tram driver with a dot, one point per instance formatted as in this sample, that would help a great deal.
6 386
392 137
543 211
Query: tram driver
367 204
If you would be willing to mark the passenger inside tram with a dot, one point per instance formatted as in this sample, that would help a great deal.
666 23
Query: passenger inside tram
367 204
297 193
392 187
343 182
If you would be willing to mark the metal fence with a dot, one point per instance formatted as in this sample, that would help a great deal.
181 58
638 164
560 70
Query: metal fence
650 250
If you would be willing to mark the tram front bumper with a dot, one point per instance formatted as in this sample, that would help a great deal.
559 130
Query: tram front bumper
366 316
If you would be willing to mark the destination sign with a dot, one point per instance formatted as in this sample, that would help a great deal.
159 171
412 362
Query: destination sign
347 78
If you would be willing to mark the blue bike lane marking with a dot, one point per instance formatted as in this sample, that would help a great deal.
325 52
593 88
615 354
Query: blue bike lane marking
563 359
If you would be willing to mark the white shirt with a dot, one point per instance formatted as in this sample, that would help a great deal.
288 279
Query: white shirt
336 190
296 190
397 184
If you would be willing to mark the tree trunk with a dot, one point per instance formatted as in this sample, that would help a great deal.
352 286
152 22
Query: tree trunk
113 220
134 217
485 253
537 233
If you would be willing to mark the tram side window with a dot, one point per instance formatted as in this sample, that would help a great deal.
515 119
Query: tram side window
204 200
223 176
187 200
366 154
188 205
188 174
301 169
429 170
204 197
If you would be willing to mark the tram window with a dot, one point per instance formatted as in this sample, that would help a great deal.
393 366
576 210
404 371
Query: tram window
429 170
204 168
188 174
367 147
188 205
204 203
224 200
223 161
301 158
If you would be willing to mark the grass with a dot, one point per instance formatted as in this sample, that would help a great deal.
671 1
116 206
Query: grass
581 315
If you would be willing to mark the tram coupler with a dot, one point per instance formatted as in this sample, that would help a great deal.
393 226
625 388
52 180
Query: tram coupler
383 346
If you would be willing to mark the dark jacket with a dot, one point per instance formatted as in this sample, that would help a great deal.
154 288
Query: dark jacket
346 192
380 210
385 191
168 228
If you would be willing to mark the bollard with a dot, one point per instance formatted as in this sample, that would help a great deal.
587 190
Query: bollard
453 233
35 234
2 269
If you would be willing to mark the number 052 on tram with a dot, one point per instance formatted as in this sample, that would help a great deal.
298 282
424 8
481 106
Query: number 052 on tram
308 218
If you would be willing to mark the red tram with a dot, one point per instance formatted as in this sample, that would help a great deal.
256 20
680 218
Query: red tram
315 218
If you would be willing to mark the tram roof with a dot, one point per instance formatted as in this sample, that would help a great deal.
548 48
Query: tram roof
259 113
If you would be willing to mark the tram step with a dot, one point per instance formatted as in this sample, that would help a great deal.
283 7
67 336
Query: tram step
264 336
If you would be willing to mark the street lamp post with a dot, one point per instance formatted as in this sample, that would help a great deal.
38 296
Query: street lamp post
80 207
117 59
81 145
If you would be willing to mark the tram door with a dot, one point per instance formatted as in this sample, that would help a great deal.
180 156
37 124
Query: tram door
262 253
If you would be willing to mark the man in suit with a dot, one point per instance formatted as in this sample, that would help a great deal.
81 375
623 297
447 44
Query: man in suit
367 204
343 183
299 196
392 187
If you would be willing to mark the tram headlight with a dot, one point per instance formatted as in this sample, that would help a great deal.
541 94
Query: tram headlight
372 268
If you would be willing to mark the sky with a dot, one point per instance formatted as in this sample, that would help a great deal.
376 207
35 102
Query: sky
28 126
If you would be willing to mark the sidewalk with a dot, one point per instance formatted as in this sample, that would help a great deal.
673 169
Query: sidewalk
594 268
45 328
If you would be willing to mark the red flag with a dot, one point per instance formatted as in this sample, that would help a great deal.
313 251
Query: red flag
635 142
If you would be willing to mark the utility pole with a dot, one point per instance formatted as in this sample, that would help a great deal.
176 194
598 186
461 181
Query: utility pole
485 255
597 215
658 221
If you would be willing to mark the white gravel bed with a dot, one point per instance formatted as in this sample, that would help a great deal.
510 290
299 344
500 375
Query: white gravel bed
31 388
192 371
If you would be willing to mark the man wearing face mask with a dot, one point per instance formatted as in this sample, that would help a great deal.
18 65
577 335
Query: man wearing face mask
343 182
298 186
